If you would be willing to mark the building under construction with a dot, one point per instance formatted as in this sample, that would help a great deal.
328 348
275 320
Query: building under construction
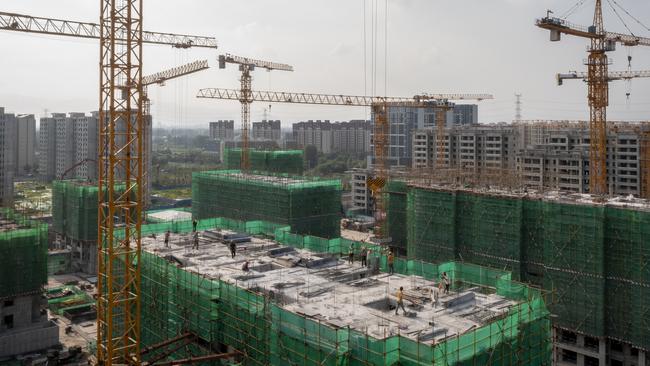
299 304
24 326
309 205
74 215
592 255
281 161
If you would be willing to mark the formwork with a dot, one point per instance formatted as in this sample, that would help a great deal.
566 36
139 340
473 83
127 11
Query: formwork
222 314
74 209
278 161
593 256
308 205
23 254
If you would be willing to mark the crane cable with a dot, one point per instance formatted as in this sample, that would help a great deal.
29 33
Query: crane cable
632 16
619 17
572 9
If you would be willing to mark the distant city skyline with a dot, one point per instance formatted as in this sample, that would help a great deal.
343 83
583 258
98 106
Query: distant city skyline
471 46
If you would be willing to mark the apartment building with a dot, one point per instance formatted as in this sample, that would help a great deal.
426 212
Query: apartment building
562 161
473 148
26 143
361 196
351 137
543 156
328 137
316 133
267 130
404 121
69 147
8 138
223 130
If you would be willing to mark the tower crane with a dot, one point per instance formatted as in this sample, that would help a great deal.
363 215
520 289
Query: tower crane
121 102
246 65
379 105
598 78
161 77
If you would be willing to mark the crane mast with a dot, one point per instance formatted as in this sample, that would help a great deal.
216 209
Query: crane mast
597 78
246 66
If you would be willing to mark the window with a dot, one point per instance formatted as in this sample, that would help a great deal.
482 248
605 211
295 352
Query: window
8 321
8 303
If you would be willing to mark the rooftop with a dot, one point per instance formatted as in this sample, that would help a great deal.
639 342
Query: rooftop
329 290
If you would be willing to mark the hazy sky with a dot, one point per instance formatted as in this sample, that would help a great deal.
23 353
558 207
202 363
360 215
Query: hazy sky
486 46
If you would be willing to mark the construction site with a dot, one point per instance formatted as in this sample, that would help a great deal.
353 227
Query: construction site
526 245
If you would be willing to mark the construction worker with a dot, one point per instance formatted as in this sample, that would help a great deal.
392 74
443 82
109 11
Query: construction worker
167 235
233 249
435 293
391 262
368 252
351 254
364 259
244 267
400 300
194 224
196 241
446 282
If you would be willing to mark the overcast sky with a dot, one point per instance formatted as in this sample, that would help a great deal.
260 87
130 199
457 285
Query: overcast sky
467 46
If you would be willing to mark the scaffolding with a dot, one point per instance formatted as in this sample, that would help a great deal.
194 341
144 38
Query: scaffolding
308 205
224 315
593 256
278 161
74 209
23 254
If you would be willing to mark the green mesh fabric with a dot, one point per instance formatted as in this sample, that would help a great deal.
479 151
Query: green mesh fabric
23 253
74 209
279 161
309 206
175 301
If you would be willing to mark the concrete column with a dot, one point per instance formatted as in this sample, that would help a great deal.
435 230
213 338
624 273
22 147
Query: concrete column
602 352
641 361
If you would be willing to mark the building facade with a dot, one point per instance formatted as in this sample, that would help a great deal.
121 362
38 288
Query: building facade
26 143
404 121
223 130
8 150
351 137
541 156
69 147
267 130
328 137
316 133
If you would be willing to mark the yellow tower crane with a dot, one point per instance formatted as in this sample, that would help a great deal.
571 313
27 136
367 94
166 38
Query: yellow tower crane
597 78
246 65
121 110
381 130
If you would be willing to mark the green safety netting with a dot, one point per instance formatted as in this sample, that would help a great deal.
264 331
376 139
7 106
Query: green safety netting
279 161
58 262
395 198
308 205
176 301
594 258
68 298
74 208
23 251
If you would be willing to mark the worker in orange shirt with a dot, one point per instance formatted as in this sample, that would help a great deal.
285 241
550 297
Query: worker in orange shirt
400 300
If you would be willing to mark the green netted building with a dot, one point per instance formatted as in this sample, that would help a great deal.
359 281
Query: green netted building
593 256
279 161
23 254
265 331
310 206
